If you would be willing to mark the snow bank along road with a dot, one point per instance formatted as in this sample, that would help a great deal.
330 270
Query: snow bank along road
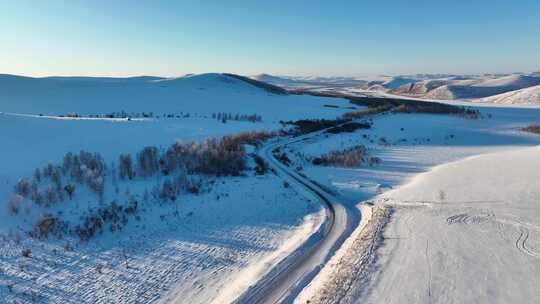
289 277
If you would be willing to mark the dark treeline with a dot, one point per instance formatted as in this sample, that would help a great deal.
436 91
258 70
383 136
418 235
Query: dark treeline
532 129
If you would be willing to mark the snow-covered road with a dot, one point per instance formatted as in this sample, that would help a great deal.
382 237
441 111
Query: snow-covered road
289 277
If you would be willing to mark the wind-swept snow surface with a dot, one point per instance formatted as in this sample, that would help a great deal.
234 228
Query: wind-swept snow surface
465 232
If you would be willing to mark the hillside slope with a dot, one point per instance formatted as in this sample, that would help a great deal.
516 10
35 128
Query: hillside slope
449 234
225 230
482 88
529 95
202 94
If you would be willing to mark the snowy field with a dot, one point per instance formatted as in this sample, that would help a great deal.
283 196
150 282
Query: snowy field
237 228
409 144
199 95
467 231
193 250
425 141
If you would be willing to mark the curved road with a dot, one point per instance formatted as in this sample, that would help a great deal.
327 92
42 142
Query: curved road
287 279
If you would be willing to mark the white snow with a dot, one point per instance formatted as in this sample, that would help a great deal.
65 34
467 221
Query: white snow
478 242
190 250
197 94
428 144
482 88
529 95
211 247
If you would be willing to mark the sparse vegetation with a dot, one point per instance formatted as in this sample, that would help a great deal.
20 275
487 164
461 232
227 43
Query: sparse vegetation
351 157
363 113
305 126
224 117
26 252
282 157
532 129
442 196
261 167
14 203
182 164
49 225
349 127
382 104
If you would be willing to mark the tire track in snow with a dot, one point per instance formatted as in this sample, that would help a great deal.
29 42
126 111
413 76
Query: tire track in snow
521 243
429 271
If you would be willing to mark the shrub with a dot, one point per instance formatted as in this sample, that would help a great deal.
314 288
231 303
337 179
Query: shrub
351 157
348 127
261 167
148 161
26 252
22 187
37 175
373 160
51 196
532 129
363 113
126 167
305 126
92 225
167 191
282 157
70 190
14 203
49 225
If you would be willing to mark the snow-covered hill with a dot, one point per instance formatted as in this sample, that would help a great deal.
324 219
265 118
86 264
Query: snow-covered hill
292 82
482 88
202 94
474 222
467 87
193 247
529 95
398 81
419 88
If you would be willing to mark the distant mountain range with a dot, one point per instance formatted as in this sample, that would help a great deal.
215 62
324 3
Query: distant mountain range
483 88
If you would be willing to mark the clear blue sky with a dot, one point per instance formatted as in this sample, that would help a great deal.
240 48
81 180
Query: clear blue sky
168 38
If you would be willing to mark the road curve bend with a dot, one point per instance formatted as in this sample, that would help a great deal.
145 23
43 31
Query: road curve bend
287 279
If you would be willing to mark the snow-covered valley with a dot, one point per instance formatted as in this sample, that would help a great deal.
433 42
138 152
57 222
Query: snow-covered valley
212 244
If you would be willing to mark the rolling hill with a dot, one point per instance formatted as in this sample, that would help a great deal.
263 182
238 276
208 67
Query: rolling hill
530 95
202 94
482 88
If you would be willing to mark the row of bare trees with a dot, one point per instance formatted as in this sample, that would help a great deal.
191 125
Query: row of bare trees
224 117
178 169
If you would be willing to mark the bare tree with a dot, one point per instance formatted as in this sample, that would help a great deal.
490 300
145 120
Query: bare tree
442 196
126 167
14 203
